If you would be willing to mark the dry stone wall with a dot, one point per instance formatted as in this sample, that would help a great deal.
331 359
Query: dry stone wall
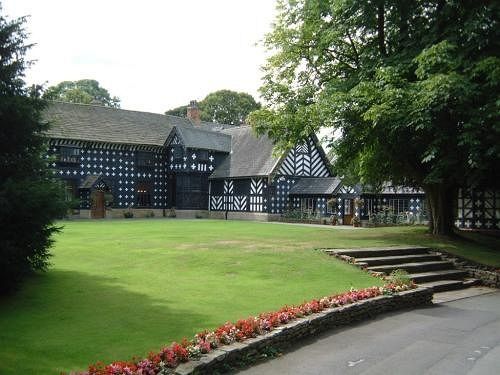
225 357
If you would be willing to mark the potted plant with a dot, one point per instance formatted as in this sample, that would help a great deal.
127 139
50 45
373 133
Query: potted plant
356 221
128 214
172 213
334 219
360 203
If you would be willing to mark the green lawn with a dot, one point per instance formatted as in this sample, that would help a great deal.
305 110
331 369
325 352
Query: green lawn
124 287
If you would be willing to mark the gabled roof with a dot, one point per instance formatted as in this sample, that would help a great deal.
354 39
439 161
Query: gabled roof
203 139
103 124
316 186
251 156
91 180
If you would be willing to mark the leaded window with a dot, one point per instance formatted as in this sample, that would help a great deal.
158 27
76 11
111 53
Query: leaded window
144 194
308 204
203 155
145 159
69 155
177 152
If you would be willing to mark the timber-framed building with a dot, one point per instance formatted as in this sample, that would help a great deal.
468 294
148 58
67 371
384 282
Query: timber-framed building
114 161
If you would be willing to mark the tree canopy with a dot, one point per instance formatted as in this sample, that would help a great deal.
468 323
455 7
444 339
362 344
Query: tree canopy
85 91
413 88
223 106
29 198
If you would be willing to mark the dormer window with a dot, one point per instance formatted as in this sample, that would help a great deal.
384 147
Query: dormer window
177 152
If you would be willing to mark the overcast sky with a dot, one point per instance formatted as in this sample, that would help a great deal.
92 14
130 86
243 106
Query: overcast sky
153 55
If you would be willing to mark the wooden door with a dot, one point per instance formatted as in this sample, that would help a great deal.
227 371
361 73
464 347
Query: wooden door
348 211
97 209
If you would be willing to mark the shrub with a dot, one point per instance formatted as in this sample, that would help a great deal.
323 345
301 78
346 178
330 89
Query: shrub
400 277
30 199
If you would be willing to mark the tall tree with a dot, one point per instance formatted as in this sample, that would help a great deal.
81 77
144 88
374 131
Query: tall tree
413 88
227 107
85 91
223 106
29 198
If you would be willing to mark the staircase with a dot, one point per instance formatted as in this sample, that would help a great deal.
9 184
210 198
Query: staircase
425 267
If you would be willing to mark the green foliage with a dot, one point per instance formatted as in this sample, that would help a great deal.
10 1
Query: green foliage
227 107
400 277
29 199
411 87
178 111
223 106
85 91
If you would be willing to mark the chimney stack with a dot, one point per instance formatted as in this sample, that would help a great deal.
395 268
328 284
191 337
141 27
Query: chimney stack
193 112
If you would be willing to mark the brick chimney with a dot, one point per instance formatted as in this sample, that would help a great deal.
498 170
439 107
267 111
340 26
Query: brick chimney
193 112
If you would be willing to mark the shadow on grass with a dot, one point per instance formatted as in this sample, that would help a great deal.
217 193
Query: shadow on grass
64 320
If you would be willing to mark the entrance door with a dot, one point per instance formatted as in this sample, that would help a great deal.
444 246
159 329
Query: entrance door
348 211
97 208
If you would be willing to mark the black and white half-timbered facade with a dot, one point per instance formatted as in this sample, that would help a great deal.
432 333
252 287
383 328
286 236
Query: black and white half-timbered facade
113 161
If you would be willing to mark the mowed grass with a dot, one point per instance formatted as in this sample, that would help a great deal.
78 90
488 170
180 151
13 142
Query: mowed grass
122 288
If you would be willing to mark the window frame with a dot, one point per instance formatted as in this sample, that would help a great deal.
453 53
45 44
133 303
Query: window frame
144 159
144 194
69 155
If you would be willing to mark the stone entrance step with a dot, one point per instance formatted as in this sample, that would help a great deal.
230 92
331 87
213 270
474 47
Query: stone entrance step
452 274
380 251
424 266
398 259
413 267
444 285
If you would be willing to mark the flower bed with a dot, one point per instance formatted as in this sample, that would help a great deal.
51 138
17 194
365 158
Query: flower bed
169 357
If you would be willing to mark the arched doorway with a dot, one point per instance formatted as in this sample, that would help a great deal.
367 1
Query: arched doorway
100 194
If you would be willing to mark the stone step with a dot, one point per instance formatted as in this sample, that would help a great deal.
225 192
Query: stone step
471 282
413 267
452 274
398 259
380 251
444 285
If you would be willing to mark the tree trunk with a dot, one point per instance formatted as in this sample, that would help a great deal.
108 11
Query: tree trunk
442 201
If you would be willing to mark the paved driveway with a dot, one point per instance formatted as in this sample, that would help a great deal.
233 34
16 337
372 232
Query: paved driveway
459 337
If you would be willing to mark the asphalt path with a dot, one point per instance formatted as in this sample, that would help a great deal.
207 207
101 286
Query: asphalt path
458 337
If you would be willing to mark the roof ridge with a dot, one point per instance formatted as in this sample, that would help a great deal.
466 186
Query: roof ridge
202 130
136 111
107 108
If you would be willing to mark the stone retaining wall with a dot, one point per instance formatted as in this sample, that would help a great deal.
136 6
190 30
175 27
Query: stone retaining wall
224 357
489 276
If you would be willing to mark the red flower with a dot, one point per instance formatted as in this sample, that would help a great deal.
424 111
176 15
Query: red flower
168 356
180 352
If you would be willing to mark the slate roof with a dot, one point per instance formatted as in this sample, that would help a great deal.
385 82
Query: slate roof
251 156
104 124
316 186
204 139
